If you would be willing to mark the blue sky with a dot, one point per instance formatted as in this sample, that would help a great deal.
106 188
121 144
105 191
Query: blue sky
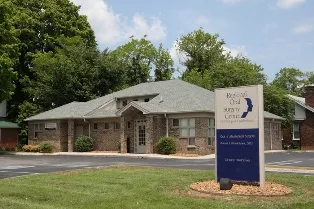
272 33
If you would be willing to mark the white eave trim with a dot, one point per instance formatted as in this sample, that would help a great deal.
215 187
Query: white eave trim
302 104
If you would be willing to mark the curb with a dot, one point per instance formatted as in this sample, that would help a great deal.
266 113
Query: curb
143 156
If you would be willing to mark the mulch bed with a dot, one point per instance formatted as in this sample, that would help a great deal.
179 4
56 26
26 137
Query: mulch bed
270 189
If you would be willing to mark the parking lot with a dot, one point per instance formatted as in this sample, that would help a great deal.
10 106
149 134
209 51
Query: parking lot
17 165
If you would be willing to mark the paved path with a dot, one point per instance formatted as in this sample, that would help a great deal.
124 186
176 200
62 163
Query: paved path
18 165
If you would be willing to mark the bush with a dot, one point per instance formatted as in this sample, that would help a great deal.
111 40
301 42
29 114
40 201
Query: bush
83 144
166 145
45 147
30 148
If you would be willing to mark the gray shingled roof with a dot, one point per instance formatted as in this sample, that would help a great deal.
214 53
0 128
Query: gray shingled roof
171 97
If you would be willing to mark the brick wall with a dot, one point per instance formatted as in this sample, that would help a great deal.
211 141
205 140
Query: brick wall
307 132
105 139
159 131
52 136
201 146
309 95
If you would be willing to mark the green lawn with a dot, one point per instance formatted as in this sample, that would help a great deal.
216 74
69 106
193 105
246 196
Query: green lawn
139 187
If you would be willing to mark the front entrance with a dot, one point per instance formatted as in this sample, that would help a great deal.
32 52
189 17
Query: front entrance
140 137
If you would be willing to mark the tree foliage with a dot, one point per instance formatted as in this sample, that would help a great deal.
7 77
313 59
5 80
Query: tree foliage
65 75
290 79
203 51
139 58
40 24
8 51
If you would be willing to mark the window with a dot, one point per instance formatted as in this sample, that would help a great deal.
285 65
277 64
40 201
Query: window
296 131
175 122
146 100
276 129
116 125
106 125
135 100
95 125
124 102
187 129
38 128
129 124
211 131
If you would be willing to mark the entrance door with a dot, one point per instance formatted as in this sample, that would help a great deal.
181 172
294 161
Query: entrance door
140 137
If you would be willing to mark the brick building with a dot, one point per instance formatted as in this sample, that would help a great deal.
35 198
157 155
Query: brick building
9 132
138 116
302 132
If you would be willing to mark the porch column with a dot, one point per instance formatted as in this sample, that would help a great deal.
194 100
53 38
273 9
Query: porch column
122 136
70 135
149 132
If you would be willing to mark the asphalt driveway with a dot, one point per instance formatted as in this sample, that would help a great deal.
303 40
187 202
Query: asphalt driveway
17 165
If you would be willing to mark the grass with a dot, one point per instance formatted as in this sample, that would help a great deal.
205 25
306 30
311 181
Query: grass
139 187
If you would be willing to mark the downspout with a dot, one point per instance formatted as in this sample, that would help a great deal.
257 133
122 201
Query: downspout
271 134
166 125
88 125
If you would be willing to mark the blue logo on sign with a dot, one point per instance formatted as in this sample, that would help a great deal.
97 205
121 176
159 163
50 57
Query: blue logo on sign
249 107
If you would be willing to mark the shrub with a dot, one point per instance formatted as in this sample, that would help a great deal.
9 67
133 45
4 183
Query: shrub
83 144
166 145
30 148
45 147
26 148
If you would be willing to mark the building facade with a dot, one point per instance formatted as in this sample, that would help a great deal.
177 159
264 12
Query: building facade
133 121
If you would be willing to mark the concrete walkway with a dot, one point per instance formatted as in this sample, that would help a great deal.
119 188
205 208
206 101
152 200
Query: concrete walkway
129 155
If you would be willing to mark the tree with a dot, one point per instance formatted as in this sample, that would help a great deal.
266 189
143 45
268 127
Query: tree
203 51
238 71
139 57
290 79
163 64
110 74
64 76
40 25
277 102
8 52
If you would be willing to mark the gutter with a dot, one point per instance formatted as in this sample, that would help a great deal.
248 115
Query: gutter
88 125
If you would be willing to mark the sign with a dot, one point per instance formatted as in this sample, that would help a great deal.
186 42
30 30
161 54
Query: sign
239 114
50 125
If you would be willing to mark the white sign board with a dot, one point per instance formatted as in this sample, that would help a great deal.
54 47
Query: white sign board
239 114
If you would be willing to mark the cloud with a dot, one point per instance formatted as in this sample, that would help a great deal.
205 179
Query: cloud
202 20
288 4
232 1
303 28
111 28
236 50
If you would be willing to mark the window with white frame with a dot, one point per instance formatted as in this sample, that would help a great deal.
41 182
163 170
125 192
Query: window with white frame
211 131
296 131
187 130
38 128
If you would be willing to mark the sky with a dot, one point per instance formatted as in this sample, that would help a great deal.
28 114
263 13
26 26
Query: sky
271 33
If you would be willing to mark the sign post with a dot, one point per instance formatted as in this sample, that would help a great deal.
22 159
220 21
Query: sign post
239 116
